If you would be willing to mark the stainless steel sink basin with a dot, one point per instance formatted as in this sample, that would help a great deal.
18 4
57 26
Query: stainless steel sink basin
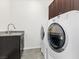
11 33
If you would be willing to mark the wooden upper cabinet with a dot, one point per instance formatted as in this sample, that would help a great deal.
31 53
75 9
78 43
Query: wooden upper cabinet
67 5
58 7
52 10
72 4
76 4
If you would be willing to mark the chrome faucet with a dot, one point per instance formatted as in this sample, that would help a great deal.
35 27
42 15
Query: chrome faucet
9 25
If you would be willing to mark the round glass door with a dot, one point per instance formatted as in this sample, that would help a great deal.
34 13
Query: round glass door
56 37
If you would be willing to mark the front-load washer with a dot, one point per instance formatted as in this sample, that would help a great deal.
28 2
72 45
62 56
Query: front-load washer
42 34
63 36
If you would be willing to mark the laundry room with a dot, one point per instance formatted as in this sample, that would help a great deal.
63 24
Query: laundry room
39 29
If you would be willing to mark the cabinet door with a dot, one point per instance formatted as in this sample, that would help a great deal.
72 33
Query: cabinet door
52 10
68 5
1 47
63 6
72 4
76 4
57 7
60 6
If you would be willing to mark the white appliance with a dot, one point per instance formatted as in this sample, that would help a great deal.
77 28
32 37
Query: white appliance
42 34
63 37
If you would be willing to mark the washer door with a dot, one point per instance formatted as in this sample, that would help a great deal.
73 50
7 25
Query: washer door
42 32
56 37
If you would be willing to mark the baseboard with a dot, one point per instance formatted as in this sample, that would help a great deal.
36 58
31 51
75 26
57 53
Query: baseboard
31 48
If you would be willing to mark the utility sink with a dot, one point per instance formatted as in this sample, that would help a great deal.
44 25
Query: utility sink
11 44
11 33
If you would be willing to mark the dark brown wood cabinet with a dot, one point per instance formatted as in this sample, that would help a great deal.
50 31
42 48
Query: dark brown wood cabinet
11 47
76 4
58 7
52 10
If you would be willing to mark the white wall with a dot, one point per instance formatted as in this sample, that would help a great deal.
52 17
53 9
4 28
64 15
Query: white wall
28 15
4 14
